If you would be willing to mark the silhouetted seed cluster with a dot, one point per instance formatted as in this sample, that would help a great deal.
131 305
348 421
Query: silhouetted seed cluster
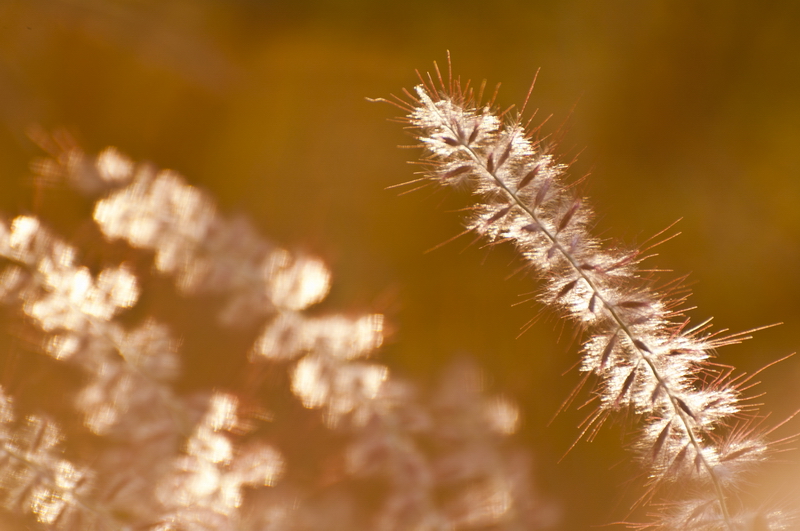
696 429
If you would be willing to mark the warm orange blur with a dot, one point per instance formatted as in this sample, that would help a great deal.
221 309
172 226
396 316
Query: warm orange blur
678 109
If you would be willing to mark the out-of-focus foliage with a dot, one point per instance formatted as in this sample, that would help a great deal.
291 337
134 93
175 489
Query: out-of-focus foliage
152 448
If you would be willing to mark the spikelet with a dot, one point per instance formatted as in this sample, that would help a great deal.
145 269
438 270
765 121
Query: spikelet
695 430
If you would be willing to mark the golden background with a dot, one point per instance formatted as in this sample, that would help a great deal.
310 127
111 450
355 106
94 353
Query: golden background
679 109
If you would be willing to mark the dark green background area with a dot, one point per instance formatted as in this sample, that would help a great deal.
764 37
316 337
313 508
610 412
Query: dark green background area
679 109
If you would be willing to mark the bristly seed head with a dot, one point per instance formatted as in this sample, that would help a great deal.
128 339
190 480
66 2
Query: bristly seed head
645 360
